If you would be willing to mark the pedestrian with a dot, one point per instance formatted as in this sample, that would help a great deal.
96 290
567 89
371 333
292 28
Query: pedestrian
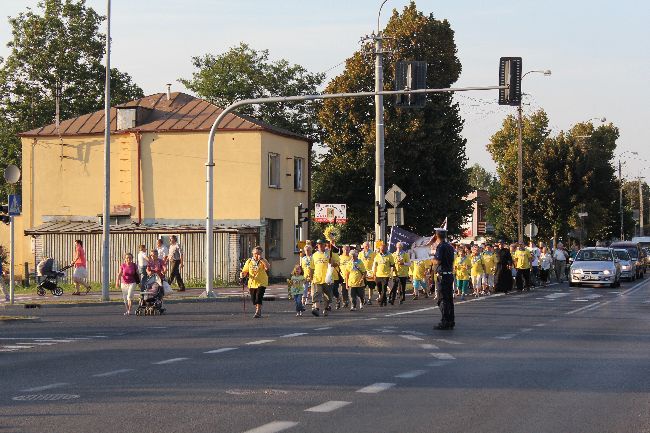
143 261
2 282
444 258
461 269
345 260
155 266
320 291
523 260
355 281
534 265
503 276
256 269
368 258
402 263
560 257
305 263
296 286
382 269
80 273
163 250
337 278
545 263
477 270
419 275
127 280
489 262
175 260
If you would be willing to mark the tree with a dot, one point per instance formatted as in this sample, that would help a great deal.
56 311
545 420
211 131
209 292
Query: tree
58 51
631 203
245 73
480 178
424 151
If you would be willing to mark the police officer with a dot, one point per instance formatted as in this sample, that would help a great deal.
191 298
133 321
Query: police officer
444 258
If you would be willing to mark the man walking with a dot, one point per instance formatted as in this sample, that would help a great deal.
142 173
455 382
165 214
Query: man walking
175 259
559 256
321 292
503 274
444 258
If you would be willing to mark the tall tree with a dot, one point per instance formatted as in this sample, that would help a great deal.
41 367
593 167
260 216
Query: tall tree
56 50
480 178
245 73
424 151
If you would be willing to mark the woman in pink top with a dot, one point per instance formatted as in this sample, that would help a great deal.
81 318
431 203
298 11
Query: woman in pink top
126 280
79 275
155 265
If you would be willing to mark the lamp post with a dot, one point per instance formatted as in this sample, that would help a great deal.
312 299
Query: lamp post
520 165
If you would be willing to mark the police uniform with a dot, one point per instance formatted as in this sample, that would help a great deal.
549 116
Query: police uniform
445 256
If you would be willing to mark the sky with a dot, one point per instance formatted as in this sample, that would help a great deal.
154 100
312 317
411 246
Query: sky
597 52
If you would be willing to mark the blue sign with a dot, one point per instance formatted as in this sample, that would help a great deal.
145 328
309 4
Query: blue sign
400 235
15 205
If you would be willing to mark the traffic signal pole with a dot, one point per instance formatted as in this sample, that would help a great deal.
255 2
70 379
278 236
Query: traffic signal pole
380 223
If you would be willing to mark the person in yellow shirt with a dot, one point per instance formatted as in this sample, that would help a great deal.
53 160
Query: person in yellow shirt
354 280
305 263
490 263
367 256
419 276
462 271
256 269
477 270
402 263
321 292
522 258
345 260
382 269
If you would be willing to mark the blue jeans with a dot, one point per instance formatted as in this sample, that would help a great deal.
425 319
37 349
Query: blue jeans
298 300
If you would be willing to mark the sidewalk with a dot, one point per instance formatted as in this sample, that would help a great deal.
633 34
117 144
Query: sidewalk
273 292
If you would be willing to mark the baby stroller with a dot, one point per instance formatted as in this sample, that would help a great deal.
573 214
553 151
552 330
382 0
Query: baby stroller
151 300
50 281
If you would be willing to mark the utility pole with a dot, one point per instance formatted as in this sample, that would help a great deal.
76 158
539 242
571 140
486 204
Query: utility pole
520 180
106 232
640 206
620 197
380 224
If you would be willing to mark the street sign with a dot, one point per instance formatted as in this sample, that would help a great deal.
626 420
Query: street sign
395 195
396 216
326 213
14 205
531 230
583 214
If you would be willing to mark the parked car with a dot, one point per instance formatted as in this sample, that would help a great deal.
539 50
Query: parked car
595 265
628 266
636 252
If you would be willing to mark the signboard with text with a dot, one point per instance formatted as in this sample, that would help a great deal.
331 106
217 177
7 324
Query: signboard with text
328 213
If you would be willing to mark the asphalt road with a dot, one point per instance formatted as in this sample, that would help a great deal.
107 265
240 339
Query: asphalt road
556 359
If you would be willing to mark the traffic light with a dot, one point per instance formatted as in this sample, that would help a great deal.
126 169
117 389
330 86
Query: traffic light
381 213
411 75
510 70
4 211
300 215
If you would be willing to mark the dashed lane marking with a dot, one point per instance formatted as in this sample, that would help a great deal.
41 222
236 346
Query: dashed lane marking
413 332
526 329
375 388
577 310
325 328
170 361
113 373
45 387
273 427
295 334
222 350
442 340
427 346
254 343
438 363
411 374
539 325
505 337
442 356
328 406
411 337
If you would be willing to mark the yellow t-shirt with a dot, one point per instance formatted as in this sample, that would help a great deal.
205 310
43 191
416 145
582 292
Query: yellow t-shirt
319 263
305 263
384 263
356 271
257 276
345 262
420 268
368 258
461 268
477 265
490 262
522 259
336 262
401 270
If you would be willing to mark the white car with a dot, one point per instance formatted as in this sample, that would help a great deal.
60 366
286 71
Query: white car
628 266
596 266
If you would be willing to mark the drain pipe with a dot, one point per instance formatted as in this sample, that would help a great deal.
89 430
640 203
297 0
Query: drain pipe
138 139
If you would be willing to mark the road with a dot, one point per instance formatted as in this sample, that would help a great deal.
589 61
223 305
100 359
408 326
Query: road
556 359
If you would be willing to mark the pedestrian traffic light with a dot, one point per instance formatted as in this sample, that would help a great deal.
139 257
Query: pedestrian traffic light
300 215
381 213
411 75
510 69
4 211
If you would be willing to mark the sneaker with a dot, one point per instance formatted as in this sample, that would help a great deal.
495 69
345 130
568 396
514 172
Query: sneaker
326 312
353 309
360 305
298 314
315 312
257 316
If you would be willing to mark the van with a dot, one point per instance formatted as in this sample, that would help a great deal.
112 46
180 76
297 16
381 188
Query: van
637 253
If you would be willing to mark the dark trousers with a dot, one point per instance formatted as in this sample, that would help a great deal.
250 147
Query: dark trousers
446 300
523 277
345 293
382 287
357 292
398 282
176 274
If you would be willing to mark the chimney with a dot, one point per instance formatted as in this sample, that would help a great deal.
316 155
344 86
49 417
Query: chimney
169 91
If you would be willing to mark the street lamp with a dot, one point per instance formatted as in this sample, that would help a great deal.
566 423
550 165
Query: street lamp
520 163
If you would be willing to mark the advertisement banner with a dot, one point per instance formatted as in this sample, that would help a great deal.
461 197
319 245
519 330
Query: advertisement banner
329 213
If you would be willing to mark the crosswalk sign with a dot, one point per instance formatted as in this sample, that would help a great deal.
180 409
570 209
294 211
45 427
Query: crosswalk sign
15 204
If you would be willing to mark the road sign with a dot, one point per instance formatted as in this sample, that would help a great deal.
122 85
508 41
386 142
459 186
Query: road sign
583 214
325 213
530 230
14 205
396 216
395 195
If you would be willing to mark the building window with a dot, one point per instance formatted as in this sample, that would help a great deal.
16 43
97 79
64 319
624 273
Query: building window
274 239
274 170
298 167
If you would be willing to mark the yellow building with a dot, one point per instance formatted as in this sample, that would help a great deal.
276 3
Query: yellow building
158 155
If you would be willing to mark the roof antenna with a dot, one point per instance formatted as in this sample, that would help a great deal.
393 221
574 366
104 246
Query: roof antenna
169 91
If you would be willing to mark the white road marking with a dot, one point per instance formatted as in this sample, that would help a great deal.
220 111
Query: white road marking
410 312
99 336
328 406
16 347
411 374
253 343
554 296
411 337
169 361
413 332
442 340
223 349
539 325
580 300
371 318
375 388
43 388
505 337
438 363
295 334
48 340
429 346
323 329
273 427
113 373
582 308
384 331
593 296
442 356
526 329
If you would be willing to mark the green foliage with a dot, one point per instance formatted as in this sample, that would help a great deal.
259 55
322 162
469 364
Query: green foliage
480 178
57 51
424 151
245 73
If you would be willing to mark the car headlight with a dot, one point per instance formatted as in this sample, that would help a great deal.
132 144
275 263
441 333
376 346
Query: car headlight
577 271
607 272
